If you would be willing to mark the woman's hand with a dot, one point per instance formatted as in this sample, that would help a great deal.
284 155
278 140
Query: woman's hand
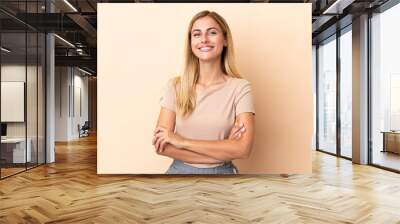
163 136
237 131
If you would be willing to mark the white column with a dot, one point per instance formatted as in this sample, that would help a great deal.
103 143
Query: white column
360 90
50 92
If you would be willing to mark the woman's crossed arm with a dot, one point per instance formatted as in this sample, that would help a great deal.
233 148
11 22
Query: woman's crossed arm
238 146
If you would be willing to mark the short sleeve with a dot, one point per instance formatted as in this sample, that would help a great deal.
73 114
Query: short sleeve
168 98
244 98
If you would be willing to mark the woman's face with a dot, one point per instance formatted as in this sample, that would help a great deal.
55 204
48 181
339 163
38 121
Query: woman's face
207 39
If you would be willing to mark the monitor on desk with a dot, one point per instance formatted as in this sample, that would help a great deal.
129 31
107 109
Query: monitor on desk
3 130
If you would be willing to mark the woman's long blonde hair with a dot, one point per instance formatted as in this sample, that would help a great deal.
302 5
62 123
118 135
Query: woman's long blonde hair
186 83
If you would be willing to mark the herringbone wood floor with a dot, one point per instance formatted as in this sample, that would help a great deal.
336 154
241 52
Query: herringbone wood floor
69 191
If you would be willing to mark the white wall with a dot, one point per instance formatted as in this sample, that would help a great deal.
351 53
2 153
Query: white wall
62 80
82 82
14 73
71 92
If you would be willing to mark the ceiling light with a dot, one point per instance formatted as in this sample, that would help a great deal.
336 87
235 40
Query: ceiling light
5 50
337 7
64 40
84 71
70 5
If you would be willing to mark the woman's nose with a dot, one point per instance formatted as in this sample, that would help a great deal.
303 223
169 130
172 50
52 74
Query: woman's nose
204 38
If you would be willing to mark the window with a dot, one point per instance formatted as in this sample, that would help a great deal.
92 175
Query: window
385 88
346 92
327 95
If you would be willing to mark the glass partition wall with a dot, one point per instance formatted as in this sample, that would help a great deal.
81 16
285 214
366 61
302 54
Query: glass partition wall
22 77
13 89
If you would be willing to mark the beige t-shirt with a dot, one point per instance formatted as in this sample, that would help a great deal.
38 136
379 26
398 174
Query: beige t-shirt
216 109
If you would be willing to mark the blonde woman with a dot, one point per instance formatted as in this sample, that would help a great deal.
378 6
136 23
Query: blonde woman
207 113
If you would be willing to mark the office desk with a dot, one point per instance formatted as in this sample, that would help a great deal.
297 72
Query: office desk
15 148
391 141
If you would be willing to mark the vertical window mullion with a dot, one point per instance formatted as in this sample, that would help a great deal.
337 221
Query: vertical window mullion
338 73
26 86
37 89
369 90
317 96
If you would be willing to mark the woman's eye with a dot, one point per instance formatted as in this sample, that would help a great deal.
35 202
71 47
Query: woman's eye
196 35
213 32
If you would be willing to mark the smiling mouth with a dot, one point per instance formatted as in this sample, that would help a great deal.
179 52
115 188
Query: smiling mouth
206 49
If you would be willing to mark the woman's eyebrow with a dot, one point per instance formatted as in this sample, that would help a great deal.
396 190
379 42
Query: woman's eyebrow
207 29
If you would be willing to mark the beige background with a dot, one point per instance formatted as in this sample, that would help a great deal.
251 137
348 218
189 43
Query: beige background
140 46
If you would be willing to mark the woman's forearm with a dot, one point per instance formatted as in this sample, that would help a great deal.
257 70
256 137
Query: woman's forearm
188 156
225 150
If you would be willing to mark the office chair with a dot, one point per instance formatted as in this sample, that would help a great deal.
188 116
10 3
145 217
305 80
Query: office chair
84 130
